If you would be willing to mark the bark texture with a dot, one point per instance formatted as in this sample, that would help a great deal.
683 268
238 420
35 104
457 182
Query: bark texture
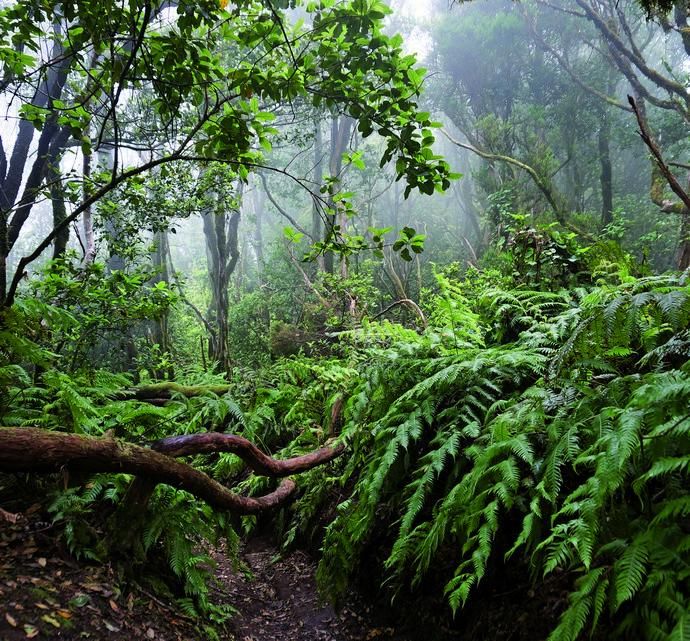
36 450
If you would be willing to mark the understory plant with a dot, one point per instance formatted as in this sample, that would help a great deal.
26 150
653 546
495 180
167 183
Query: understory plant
553 432
547 429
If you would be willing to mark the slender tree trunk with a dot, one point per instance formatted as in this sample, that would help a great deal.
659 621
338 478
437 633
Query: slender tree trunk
258 204
316 221
161 335
87 220
57 196
115 262
222 252
683 258
4 253
14 212
605 177
341 126
49 89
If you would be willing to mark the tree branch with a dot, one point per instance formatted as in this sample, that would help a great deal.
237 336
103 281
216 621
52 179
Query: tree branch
653 147
407 302
616 43
36 450
568 69
281 211
538 180
262 464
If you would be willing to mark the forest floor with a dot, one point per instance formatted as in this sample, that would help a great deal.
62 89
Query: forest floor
46 594
278 600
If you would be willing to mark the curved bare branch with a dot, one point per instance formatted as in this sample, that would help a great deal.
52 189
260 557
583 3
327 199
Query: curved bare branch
32 449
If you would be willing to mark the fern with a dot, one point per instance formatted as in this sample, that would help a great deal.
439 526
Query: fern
588 405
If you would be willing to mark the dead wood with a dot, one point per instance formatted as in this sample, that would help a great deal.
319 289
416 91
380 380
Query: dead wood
41 451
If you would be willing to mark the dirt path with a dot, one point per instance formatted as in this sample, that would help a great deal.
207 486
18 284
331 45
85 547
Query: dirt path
47 594
278 600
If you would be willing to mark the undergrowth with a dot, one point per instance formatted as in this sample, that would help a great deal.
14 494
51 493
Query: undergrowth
563 412
547 429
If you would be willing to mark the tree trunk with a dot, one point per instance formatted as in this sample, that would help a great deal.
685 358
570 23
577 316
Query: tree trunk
222 253
316 222
258 204
57 196
159 325
87 221
605 176
341 126
4 253
683 258
160 263
28 449
14 212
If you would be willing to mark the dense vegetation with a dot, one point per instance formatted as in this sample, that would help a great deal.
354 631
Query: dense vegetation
467 379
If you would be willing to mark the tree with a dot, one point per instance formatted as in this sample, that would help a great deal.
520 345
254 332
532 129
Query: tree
631 45
209 74
221 221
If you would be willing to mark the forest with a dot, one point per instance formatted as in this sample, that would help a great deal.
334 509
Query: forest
345 320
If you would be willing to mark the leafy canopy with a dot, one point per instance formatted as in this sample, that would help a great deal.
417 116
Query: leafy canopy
209 77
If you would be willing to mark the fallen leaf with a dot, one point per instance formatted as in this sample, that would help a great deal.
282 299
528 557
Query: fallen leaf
11 620
9 516
42 606
31 631
110 626
80 600
42 561
49 619
113 605
65 614
150 633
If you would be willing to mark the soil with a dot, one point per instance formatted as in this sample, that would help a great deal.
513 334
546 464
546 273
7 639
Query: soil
46 594
277 599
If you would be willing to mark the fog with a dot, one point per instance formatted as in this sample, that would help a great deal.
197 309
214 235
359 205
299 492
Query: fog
530 106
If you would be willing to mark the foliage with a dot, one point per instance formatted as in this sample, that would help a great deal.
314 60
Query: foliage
179 529
538 423
547 429
98 308
572 421
201 82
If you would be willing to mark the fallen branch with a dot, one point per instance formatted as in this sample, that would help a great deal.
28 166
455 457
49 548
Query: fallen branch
213 442
37 450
